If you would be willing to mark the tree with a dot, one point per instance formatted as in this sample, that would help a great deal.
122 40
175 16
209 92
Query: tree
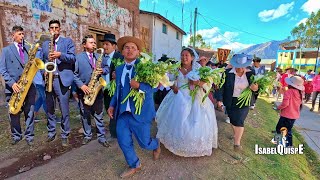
199 42
308 33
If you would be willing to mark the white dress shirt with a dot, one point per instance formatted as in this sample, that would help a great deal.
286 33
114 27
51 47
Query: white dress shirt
240 82
93 58
123 78
16 44
107 77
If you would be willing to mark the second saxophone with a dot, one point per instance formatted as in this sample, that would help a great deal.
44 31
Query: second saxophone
96 82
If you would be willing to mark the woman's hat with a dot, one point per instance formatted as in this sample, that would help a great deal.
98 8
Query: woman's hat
241 60
296 82
123 40
109 37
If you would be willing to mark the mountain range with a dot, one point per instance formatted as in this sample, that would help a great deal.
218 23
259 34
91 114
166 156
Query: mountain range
266 50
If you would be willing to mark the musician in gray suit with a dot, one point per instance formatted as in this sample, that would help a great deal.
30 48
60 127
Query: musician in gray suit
64 57
13 59
86 63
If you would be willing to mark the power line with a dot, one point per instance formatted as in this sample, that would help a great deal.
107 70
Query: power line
219 32
237 28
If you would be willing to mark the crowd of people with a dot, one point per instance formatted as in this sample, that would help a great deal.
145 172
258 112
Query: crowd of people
186 127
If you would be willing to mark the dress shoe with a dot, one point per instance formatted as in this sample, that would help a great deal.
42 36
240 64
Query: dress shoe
85 141
129 172
156 153
15 141
30 143
65 142
51 138
104 144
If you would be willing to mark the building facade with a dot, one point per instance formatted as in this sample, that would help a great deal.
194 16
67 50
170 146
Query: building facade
161 36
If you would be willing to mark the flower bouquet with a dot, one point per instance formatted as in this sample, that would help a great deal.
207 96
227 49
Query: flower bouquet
264 83
111 87
207 75
150 73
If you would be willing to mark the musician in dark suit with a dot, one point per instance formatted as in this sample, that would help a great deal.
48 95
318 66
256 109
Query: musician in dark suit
13 59
86 63
64 57
109 46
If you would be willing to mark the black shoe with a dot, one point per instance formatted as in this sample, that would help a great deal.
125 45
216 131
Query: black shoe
51 138
30 143
15 141
104 144
64 142
85 141
311 109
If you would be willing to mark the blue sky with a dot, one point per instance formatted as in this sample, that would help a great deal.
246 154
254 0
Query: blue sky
236 24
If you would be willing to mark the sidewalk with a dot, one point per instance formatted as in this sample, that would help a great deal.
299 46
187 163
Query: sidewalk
309 126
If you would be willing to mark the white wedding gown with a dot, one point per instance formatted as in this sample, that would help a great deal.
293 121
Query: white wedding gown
185 128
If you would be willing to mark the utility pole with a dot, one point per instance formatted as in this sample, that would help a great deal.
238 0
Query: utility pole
195 27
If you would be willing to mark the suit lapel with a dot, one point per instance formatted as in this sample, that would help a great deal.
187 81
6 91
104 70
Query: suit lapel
134 69
26 55
16 53
85 55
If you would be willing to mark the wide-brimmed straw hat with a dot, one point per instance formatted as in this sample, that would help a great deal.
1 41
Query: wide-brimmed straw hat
296 82
241 60
123 40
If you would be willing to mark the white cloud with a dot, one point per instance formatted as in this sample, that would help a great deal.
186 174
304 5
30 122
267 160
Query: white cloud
304 20
311 6
282 10
217 39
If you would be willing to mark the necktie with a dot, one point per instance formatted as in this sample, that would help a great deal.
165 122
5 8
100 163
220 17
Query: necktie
21 53
91 61
126 85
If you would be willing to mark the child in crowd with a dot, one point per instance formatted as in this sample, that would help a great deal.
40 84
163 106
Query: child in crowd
290 106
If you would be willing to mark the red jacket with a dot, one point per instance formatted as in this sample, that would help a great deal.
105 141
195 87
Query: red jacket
282 80
290 106
308 87
316 83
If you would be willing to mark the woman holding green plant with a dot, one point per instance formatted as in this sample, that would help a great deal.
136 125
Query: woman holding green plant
186 117
238 79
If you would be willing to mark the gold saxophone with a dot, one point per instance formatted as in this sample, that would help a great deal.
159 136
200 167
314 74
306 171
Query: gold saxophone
95 84
50 66
25 81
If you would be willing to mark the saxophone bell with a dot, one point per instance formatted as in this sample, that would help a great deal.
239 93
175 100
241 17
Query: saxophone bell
50 67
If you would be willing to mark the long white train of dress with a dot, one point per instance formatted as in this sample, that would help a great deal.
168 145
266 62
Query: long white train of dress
185 128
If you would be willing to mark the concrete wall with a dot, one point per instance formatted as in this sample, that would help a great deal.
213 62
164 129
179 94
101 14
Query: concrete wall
120 17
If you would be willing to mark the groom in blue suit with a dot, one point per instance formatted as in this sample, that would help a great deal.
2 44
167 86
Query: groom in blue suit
128 122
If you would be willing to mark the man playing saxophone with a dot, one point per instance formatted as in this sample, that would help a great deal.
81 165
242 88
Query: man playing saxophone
89 66
13 60
63 56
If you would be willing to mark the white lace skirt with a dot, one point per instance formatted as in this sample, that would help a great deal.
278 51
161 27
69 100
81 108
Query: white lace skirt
185 128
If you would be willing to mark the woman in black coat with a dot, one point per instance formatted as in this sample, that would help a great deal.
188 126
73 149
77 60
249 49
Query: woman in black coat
237 79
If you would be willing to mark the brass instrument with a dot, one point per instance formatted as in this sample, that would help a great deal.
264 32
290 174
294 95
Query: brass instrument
95 84
50 66
25 81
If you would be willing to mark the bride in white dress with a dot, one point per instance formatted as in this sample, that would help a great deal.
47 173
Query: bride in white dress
187 128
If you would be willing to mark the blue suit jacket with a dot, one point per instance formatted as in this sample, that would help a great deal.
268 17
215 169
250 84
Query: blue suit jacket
147 111
11 66
83 68
65 62
261 70
225 93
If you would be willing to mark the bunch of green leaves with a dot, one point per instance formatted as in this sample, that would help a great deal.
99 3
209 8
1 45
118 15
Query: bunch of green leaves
264 82
111 87
150 73
117 62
